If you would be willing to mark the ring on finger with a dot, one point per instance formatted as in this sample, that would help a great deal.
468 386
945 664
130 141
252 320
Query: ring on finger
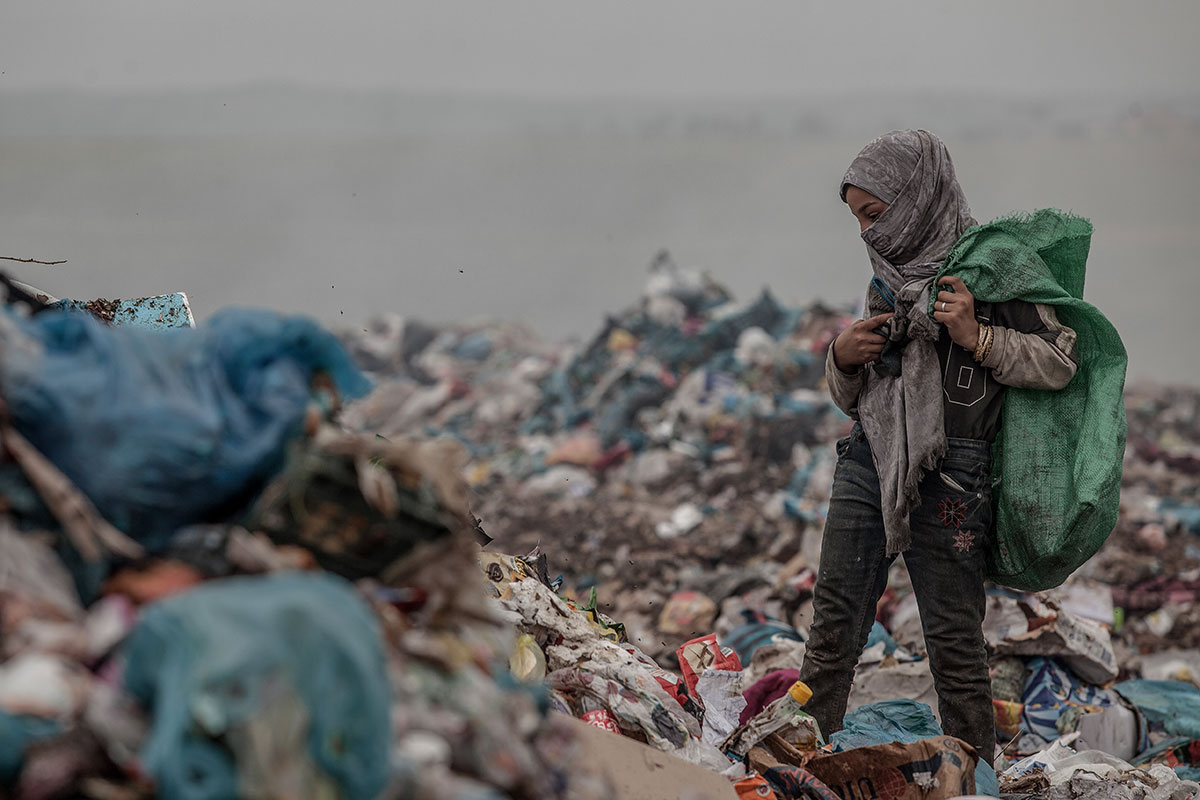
943 306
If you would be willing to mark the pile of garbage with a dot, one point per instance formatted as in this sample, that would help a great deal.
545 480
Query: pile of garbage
208 591
675 470
734 709
258 567
687 447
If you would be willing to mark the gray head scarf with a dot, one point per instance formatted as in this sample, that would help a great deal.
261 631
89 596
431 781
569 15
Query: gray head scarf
901 414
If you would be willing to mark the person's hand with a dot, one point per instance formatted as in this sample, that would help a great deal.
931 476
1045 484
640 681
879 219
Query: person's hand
956 310
857 345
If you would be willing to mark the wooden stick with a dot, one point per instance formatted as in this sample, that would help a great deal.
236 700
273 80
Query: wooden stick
32 260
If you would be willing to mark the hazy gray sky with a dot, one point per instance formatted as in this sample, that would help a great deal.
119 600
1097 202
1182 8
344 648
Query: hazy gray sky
649 47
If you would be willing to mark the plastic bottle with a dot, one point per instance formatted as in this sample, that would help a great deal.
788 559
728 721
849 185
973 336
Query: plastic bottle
785 716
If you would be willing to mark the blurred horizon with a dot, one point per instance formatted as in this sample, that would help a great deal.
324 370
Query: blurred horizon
622 47
466 161
194 111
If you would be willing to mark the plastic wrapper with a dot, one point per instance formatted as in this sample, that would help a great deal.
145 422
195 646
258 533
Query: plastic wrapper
704 653
670 682
754 787
637 712
527 662
1060 773
721 692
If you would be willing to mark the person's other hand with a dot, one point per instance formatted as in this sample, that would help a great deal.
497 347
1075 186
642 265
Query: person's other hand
858 344
956 310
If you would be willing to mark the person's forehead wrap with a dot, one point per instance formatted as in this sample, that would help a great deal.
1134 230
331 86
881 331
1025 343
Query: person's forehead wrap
927 210
883 166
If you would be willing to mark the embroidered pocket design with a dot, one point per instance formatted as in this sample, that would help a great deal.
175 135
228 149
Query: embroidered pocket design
952 512
964 541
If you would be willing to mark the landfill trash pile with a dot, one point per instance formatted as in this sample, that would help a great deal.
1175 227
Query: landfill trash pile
250 572
681 457
674 473
318 628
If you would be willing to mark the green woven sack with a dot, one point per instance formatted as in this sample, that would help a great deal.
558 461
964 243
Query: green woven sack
1057 459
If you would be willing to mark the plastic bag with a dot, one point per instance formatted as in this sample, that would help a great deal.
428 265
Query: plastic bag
214 659
704 653
1173 704
163 428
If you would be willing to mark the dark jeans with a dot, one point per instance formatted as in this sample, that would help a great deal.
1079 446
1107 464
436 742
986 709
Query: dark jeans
946 564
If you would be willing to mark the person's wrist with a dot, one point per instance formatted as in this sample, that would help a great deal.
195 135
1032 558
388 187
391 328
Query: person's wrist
972 342
840 362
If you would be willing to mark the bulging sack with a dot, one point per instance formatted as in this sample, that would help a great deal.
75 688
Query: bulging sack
1057 460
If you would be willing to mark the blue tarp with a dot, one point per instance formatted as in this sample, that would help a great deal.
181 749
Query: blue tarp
165 428
1173 704
746 639
218 651
1186 514
17 733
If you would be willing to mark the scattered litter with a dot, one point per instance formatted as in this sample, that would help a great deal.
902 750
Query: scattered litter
654 498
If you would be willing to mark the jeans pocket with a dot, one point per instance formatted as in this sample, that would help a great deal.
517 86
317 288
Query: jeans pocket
953 484
964 501
966 477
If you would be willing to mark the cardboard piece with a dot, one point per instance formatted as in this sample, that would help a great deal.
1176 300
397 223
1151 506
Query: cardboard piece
1083 645
939 768
638 772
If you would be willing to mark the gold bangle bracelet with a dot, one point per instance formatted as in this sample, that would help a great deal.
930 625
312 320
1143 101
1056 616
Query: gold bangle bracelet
979 345
984 347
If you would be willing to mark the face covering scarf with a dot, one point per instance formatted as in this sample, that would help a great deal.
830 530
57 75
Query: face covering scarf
901 410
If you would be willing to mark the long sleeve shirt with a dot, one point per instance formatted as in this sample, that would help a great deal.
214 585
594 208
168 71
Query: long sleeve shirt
1031 350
